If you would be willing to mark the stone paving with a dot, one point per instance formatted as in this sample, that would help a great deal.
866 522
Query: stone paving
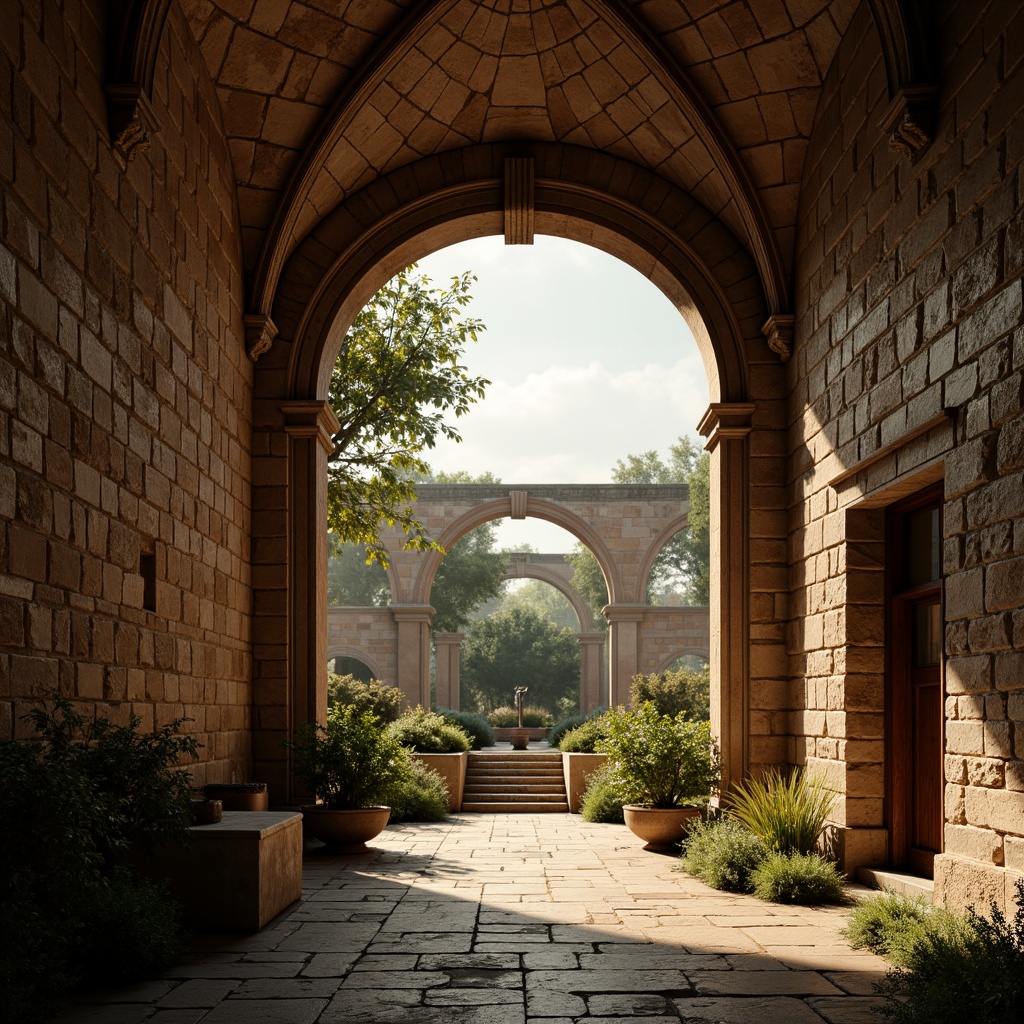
503 919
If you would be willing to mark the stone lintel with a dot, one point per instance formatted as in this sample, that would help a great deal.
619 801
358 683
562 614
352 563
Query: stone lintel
724 420
311 418
909 120
132 119
457 493
260 332
778 329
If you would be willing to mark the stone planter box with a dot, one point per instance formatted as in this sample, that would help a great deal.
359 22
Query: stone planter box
451 768
577 769
237 874
504 735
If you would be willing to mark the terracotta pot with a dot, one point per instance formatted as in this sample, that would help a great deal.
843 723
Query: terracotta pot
662 828
520 739
206 812
345 831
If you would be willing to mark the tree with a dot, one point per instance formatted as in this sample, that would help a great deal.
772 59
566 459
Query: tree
396 377
519 648
547 602
352 579
471 573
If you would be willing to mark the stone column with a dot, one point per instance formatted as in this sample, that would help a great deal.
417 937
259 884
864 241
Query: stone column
310 427
446 649
412 659
727 429
623 647
591 649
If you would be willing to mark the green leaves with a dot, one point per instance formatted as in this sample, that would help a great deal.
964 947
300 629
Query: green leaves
396 378
658 761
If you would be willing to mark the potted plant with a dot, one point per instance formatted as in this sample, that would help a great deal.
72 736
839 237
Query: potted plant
666 768
352 765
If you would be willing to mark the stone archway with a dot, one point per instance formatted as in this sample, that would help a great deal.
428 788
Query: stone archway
661 233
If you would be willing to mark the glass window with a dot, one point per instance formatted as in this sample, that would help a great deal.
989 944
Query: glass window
924 547
927 635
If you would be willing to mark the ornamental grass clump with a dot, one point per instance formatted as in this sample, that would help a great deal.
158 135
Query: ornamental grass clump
507 717
890 924
658 761
787 814
803 878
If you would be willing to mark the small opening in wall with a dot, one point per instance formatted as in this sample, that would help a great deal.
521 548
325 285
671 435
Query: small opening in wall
147 570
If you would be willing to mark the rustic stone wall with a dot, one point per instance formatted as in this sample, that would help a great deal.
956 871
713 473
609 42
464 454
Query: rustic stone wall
124 393
909 302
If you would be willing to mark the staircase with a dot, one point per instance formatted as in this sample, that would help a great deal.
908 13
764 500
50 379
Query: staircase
515 782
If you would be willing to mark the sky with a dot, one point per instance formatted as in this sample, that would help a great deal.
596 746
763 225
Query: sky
588 361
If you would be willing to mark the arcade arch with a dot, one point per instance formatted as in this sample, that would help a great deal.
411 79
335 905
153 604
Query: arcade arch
598 200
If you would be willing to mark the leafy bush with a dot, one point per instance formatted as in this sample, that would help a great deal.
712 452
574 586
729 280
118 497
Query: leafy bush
420 796
382 701
429 733
475 726
961 968
683 690
507 717
559 729
659 761
722 854
797 878
350 763
70 805
890 924
787 814
134 930
602 801
585 738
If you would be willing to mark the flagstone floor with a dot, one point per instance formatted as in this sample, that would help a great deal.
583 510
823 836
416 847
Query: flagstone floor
504 919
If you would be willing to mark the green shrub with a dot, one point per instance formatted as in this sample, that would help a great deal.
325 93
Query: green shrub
961 969
722 853
602 800
559 729
420 796
70 805
657 761
507 717
681 691
382 701
787 814
475 726
352 762
134 930
890 924
797 878
584 739
429 733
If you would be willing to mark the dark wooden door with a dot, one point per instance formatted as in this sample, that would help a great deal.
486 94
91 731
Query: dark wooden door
915 709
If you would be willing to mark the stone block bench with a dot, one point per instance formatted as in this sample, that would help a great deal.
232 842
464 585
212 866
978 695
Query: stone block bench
237 874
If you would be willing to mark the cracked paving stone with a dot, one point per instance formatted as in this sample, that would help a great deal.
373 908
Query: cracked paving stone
635 1004
473 997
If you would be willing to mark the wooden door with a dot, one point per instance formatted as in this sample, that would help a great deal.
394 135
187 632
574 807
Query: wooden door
915 706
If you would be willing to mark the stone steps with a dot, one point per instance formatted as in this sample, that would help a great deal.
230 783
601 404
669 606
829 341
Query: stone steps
516 783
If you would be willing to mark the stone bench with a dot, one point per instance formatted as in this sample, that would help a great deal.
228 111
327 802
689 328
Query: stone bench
237 874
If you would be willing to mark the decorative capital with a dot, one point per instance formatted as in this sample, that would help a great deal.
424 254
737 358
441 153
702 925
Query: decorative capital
909 120
311 418
260 333
519 201
726 421
132 121
778 329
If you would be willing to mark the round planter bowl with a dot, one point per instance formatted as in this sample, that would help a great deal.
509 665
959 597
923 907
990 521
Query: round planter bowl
662 828
520 739
345 831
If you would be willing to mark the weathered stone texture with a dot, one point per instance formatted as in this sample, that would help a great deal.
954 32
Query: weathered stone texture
125 396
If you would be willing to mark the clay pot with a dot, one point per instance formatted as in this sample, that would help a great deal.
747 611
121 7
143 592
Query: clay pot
662 828
345 831
520 739
206 812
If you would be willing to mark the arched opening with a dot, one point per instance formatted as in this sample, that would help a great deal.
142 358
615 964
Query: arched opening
726 319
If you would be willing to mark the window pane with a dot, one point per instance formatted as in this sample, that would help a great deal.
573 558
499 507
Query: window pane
924 549
927 639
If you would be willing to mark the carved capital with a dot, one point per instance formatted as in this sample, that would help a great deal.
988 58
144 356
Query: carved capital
132 121
778 329
909 120
726 421
260 333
